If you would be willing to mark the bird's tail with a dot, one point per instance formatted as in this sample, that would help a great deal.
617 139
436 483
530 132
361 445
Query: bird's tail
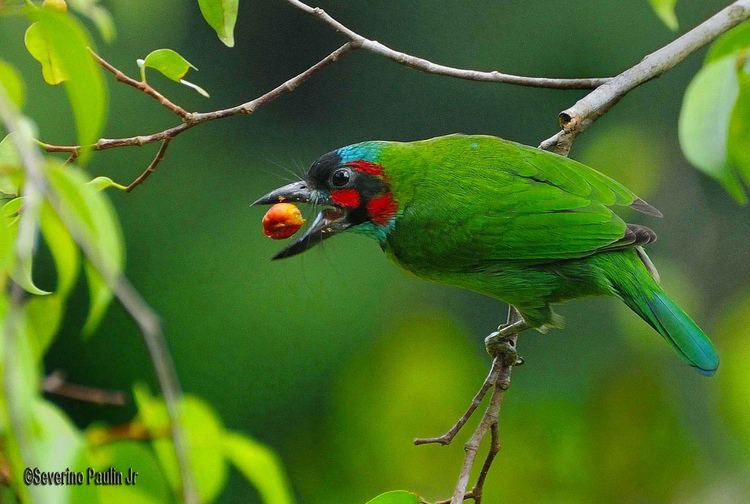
636 286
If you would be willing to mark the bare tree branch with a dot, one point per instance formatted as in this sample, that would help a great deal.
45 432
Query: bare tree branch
595 104
195 118
426 66
56 384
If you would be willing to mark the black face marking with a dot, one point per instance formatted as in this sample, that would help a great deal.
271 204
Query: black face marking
320 172
327 173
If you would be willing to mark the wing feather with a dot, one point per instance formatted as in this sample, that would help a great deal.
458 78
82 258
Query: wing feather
483 200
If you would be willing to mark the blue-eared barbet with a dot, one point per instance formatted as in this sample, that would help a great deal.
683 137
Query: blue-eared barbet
519 224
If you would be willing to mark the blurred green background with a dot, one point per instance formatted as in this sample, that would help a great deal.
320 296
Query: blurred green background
336 358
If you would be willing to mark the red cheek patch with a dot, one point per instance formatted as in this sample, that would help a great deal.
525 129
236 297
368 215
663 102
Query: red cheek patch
382 209
346 198
366 167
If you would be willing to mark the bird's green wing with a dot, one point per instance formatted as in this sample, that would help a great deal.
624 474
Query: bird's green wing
481 199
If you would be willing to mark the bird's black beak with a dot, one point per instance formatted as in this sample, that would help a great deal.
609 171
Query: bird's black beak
329 221
295 192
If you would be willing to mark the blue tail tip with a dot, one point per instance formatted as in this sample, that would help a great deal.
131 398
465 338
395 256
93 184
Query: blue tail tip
707 372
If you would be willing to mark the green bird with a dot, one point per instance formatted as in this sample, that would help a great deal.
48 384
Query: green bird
522 225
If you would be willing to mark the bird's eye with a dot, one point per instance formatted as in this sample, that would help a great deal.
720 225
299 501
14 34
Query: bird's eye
340 177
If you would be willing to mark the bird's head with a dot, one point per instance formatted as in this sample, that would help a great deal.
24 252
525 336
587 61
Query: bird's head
354 189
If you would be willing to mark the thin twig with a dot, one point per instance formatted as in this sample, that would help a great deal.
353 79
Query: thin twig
427 66
246 108
141 86
447 438
494 449
151 168
56 384
73 156
595 104
471 447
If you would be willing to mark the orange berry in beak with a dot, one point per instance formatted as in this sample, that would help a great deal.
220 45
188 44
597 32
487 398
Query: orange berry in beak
282 220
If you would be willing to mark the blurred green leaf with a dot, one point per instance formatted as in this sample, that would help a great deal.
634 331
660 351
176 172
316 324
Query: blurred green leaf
704 122
10 172
168 62
204 432
150 487
23 274
8 154
11 80
101 183
665 10
6 254
63 249
221 15
57 445
43 318
736 39
739 130
97 219
395 497
98 14
61 44
260 465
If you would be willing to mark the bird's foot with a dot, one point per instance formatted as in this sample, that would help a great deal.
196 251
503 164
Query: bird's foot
499 343
502 348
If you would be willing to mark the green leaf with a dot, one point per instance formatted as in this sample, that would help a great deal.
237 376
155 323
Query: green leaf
57 445
61 44
172 65
63 249
150 486
168 62
53 71
10 172
739 130
665 10
733 41
260 465
221 15
7 254
204 432
11 80
101 183
22 275
43 318
8 153
704 122
96 218
395 497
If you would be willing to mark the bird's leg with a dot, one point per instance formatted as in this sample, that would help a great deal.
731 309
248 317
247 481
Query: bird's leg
446 438
500 345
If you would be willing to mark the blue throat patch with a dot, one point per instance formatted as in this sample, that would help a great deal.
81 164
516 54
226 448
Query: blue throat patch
380 233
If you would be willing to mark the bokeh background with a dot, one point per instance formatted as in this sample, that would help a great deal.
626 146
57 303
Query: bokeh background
336 358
